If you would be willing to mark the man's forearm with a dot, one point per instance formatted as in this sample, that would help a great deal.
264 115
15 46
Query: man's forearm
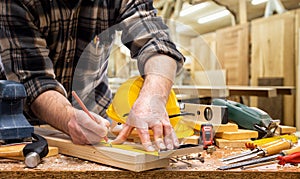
53 108
161 65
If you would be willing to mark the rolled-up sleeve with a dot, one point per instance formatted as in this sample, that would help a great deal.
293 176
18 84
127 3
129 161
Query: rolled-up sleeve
145 34
23 49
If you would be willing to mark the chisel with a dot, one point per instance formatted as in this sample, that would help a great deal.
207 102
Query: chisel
264 151
283 153
248 152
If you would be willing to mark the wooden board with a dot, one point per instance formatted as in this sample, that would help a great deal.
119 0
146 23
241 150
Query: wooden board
237 90
273 106
229 127
239 135
224 143
272 55
297 68
286 129
52 152
130 157
233 53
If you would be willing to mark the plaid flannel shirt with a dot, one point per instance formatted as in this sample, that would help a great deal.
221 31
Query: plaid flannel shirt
56 45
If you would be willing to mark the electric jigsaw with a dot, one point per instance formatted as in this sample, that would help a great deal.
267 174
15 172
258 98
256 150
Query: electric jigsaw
249 117
13 124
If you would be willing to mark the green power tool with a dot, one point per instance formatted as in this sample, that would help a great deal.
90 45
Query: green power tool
249 117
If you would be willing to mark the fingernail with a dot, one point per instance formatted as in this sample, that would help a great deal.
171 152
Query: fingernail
169 146
176 143
162 146
150 148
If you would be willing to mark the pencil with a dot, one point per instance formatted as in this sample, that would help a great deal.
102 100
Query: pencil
85 109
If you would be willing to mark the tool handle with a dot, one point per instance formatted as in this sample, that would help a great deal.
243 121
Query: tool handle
290 151
292 158
277 148
271 143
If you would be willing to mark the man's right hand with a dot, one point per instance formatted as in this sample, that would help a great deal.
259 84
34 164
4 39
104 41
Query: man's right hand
56 110
84 130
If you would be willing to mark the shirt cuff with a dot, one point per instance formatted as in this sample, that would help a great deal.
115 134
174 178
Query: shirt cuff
169 50
37 86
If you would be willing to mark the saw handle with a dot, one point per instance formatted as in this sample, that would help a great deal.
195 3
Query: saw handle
277 148
293 158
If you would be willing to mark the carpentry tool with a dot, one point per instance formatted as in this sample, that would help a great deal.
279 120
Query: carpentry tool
249 117
205 113
206 135
266 151
248 152
260 142
85 110
13 124
35 151
283 153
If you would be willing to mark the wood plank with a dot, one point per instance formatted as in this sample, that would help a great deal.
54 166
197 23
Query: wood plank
224 143
233 53
131 156
252 91
239 135
272 106
52 152
297 68
201 91
272 55
230 127
243 11
286 129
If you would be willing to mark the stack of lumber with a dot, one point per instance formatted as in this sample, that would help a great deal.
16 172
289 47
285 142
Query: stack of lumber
230 136
234 137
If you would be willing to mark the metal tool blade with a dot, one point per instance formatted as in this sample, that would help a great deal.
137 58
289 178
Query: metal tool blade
250 162
239 155
251 156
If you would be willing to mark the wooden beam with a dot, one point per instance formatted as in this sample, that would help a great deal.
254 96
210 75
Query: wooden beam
201 91
127 156
243 11
252 91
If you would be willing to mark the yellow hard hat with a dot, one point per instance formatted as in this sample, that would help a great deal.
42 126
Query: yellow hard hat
125 97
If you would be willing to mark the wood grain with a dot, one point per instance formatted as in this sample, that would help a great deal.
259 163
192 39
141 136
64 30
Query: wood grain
272 55
130 156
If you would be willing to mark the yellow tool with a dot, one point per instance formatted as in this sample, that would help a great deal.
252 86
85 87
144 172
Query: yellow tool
261 142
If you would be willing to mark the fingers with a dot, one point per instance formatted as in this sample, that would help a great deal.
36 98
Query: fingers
158 137
145 139
84 130
101 120
170 138
124 133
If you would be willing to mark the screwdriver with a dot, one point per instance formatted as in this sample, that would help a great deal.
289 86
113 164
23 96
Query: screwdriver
265 151
289 156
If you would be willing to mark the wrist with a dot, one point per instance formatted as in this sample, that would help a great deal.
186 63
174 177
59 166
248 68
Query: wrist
156 86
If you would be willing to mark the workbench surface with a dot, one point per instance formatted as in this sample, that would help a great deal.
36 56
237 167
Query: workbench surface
62 166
